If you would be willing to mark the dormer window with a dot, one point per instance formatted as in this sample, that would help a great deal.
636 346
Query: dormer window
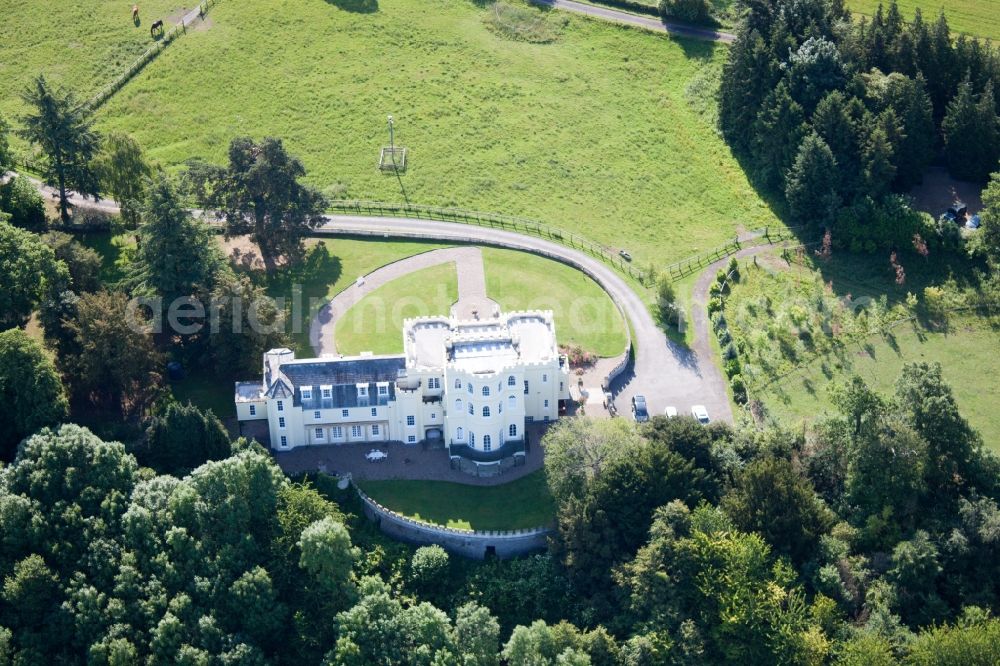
362 390
383 389
327 392
307 394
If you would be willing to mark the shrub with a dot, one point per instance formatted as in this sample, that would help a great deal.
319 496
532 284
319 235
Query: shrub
739 389
729 351
25 205
715 289
719 321
732 367
724 337
714 305
693 11
733 270
666 300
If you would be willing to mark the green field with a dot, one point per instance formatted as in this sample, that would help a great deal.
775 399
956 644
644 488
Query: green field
607 130
82 44
376 323
520 504
584 313
973 17
967 354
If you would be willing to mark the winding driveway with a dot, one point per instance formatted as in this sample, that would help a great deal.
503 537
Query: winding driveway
637 20
664 372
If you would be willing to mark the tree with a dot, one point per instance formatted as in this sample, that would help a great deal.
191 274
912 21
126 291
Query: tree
909 100
814 70
989 232
176 257
83 263
778 131
747 77
812 184
477 635
914 572
20 199
971 134
577 450
29 269
246 323
123 170
6 156
260 195
771 499
63 129
836 122
327 553
117 366
30 390
429 571
878 158
692 11
182 438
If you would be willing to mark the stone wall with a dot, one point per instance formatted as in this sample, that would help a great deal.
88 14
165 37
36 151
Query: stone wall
467 543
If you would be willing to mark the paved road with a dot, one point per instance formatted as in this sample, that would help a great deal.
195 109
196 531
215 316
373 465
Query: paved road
647 22
663 371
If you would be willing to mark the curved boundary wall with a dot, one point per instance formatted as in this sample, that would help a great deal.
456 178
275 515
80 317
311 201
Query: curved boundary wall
467 543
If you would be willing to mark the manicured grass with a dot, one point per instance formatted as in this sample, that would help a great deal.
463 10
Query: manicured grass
330 266
376 323
606 131
584 313
967 354
82 44
973 17
520 504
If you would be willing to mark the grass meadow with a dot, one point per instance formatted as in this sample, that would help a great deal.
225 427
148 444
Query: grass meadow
608 131
82 44
520 504
973 17
962 350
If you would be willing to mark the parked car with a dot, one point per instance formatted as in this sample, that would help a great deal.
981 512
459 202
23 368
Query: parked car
700 413
639 411
625 255
670 412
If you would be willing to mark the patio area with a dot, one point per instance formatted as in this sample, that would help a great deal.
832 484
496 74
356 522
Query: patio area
402 461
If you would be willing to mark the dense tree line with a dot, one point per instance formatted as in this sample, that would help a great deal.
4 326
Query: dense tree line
869 539
835 116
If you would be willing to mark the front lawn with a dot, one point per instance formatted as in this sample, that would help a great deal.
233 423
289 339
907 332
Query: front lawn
520 504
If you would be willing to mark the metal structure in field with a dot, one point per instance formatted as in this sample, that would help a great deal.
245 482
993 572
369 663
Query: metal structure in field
392 157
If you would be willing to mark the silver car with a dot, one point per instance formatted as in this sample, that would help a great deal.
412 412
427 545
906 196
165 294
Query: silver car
700 413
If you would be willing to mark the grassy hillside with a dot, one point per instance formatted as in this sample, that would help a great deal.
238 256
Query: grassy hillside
973 17
82 44
605 130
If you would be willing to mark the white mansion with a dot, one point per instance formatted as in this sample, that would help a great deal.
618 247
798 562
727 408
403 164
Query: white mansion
473 383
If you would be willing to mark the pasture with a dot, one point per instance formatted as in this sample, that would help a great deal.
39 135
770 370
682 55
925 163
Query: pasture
82 44
607 131
973 17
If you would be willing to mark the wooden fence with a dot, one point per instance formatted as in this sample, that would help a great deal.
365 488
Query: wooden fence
149 54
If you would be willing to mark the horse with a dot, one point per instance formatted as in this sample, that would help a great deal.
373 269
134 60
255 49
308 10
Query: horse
135 14
157 25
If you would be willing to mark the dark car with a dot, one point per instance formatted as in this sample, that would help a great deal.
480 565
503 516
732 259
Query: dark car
639 411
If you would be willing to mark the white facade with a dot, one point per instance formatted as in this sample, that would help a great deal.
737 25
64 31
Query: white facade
473 383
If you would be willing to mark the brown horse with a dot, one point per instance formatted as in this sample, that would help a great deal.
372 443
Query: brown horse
135 13
156 25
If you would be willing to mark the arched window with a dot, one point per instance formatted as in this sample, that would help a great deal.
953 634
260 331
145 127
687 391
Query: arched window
460 432
487 445
512 401
486 391
458 405
512 430
511 381
469 387
472 438
486 412
472 410
500 407
458 383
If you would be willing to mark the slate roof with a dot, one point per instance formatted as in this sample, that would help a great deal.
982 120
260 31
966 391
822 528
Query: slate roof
344 371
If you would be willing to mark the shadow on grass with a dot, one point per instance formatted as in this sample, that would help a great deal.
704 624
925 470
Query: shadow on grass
695 48
356 6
